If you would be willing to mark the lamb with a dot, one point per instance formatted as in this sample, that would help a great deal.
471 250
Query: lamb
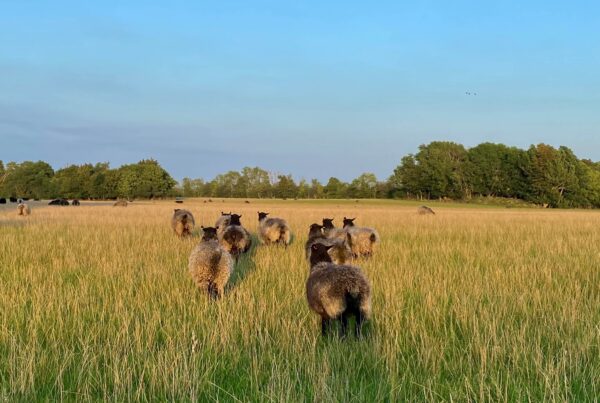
337 292
235 239
182 222
423 210
222 223
362 240
120 203
23 209
210 265
273 230
331 231
340 251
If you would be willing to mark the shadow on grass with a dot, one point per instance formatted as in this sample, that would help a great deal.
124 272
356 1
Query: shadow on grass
244 265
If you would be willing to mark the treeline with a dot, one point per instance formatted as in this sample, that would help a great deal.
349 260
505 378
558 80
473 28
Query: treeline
37 180
542 175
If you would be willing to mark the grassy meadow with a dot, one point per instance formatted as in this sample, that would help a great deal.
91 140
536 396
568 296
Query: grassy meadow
480 304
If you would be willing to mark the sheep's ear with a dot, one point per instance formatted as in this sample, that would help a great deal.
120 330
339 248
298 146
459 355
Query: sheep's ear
176 209
314 246
202 226
352 219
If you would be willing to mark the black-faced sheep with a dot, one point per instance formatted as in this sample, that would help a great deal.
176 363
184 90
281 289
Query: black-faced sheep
273 230
120 203
340 251
423 210
2 200
337 292
235 239
362 240
210 265
23 209
182 222
59 202
75 203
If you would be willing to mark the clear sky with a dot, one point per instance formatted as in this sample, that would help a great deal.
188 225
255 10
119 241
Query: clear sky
312 88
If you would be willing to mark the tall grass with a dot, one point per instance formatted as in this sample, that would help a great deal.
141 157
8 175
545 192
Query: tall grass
469 304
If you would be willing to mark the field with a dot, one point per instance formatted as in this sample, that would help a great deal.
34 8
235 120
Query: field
470 304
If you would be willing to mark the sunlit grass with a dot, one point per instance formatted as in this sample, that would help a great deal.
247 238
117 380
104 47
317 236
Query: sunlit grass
479 304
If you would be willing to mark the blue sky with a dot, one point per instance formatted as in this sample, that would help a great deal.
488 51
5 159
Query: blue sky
312 88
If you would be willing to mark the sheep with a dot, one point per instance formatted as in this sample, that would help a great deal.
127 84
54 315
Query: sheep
222 223
120 203
273 230
182 222
337 292
210 265
58 202
362 240
331 231
23 209
340 251
235 239
423 210
2 200
75 203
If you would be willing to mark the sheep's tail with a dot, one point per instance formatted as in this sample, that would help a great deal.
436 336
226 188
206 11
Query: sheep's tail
284 234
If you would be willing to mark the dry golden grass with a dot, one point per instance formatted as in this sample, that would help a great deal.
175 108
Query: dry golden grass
472 303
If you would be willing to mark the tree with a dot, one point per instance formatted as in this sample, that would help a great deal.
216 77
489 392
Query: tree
364 187
316 189
28 179
554 176
336 189
285 187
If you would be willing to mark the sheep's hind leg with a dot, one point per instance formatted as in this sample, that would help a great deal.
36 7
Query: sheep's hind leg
325 326
344 325
360 319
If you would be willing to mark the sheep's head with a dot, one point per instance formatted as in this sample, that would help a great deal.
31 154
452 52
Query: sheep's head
315 230
328 223
319 253
209 233
349 222
235 219
262 215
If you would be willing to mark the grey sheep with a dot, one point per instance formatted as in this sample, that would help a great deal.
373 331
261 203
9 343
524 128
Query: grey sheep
273 230
120 203
337 292
210 265
423 210
222 223
331 231
182 222
23 209
362 240
235 239
340 251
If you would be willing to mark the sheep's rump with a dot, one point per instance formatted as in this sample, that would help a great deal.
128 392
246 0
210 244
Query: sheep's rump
210 266
183 222
273 230
363 240
23 209
236 239
331 287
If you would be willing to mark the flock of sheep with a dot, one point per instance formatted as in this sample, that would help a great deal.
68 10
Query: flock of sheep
335 290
